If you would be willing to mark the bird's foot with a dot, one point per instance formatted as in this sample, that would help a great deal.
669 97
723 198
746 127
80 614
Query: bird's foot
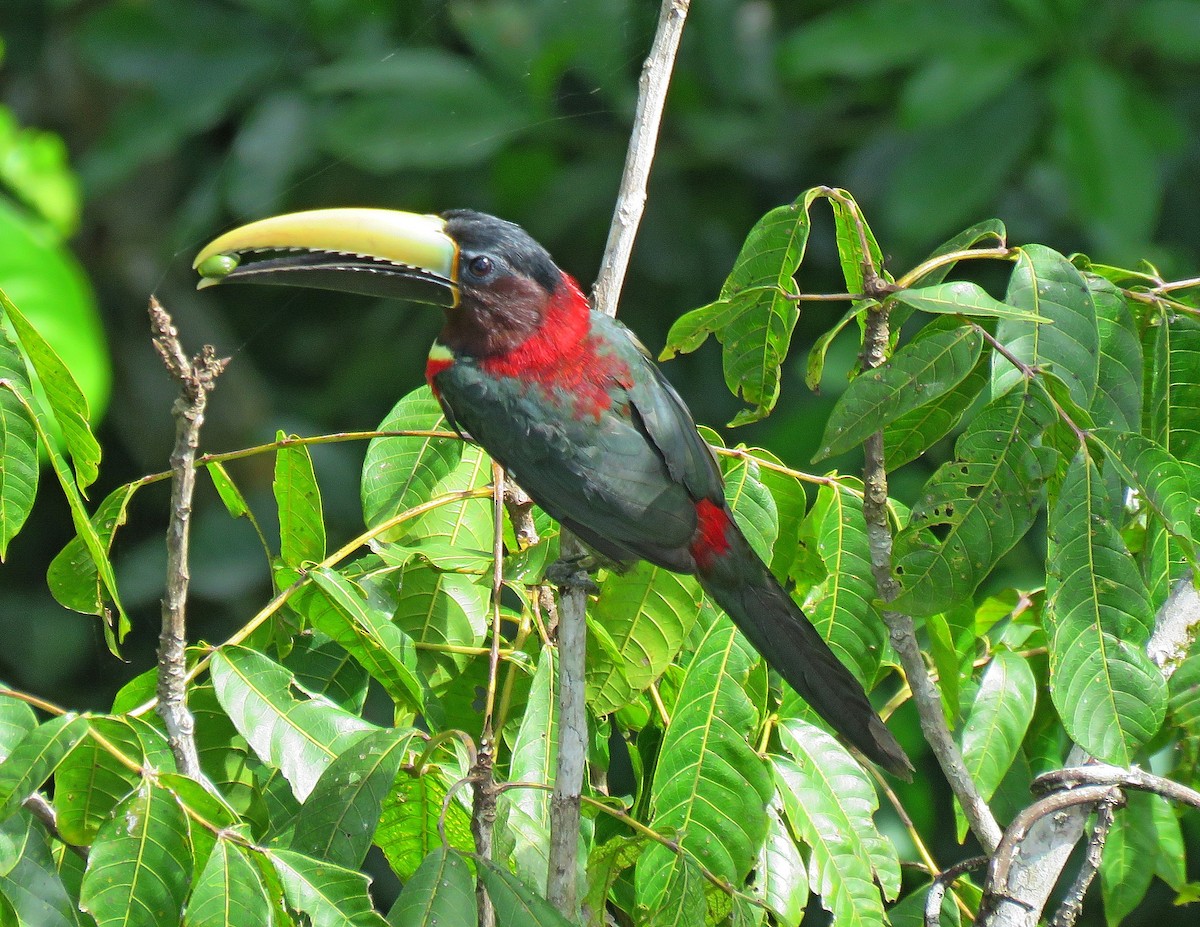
574 573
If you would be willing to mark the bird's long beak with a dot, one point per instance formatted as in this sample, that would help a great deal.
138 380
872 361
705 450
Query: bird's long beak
376 252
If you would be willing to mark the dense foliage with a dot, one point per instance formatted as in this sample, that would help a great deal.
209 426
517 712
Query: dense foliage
1046 404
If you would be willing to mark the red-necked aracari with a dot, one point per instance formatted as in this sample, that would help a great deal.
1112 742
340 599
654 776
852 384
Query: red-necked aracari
570 404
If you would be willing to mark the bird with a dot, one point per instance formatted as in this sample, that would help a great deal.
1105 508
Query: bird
568 401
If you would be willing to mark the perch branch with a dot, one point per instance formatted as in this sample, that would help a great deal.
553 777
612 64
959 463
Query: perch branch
901 630
572 630
196 377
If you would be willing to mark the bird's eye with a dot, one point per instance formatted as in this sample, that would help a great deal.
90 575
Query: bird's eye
480 266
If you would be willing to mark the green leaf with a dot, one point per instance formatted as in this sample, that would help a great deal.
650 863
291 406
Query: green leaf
1168 839
997 722
840 606
830 804
342 610
301 522
527 811
515 903
1175 392
442 608
41 276
913 433
229 891
339 817
408 827
646 613
606 862
440 892
815 367
981 503
710 788
83 527
401 472
850 231
73 577
1098 616
1157 476
917 374
681 903
300 738
1059 331
324 668
1118 398
34 885
90 782
330 895
16 721
35 758
963 241
752 504
232 498
1130 852
66 400
961 297
754 316
18 447
782 876
140 866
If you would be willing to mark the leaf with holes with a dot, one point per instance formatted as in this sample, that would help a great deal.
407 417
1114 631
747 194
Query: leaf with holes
977 506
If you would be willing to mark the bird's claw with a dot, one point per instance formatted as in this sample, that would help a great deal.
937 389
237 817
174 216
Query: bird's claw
574 573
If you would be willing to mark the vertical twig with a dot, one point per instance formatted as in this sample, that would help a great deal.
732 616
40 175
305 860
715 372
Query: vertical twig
196 376
901 631
1072 905
483 783
572 630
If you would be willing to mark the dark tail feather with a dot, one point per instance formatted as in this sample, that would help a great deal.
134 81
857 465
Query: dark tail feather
742 585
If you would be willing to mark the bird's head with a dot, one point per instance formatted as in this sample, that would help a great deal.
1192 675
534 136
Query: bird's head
496 284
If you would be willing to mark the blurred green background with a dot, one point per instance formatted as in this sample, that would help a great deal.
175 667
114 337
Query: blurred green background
132 132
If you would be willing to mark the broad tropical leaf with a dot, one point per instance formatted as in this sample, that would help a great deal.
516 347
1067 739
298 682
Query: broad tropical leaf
1059 331
330 895
841 606
140 865
638 624
710 787
980 504
229 891
66 400
754 316
408 826
298 737
37 756
18 446
90 781
961 297
1098 616
920 372
338 819
515 903
440 892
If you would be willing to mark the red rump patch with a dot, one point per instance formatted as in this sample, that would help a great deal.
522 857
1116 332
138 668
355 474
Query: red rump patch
711 539
563 355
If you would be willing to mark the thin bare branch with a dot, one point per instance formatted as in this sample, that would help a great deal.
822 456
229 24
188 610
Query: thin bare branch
1072 906
572 630
901 630
197 377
